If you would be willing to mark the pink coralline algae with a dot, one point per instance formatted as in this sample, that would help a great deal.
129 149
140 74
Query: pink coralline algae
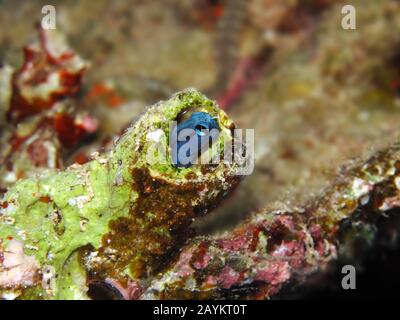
51 72
42 101
273 250
260 256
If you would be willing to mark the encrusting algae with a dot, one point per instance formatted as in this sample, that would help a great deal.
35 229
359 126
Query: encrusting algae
115 218
121 222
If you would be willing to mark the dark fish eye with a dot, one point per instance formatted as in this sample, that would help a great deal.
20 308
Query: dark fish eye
200 129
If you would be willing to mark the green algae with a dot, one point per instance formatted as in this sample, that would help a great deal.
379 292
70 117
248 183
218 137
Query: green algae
119 216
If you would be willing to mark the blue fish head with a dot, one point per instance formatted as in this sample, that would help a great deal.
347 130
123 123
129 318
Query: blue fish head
191 137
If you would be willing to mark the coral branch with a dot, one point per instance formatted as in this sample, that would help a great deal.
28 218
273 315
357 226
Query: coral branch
282 247
36 100
51 72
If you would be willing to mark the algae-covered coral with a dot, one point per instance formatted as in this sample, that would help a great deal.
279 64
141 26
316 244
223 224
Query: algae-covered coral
117 217
275 248
317 95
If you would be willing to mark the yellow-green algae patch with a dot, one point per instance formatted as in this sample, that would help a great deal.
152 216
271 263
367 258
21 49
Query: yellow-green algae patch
120 216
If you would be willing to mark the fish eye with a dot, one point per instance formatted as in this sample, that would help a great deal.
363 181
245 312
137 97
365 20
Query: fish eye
200 129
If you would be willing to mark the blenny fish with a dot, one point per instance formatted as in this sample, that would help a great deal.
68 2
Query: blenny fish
118 219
